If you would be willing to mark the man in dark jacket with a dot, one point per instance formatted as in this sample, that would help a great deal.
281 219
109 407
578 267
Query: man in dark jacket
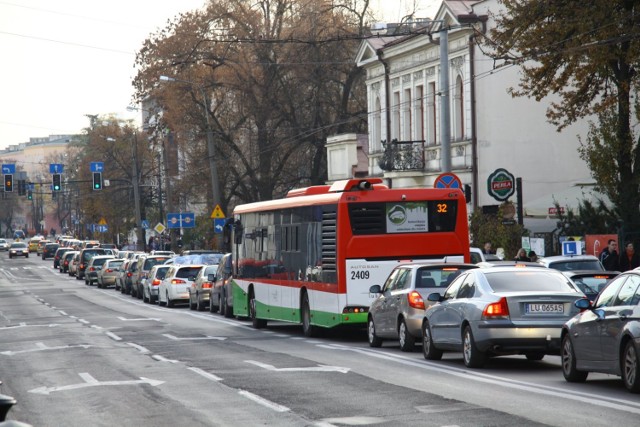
609 256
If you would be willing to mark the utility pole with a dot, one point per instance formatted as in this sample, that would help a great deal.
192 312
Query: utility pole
445 118
136 194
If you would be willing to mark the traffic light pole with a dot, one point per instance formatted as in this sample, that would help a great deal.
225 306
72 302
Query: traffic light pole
136 195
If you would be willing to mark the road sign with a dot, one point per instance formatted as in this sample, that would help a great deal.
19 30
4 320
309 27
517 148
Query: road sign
181 220
9 169
145 224
217 212
102 221
97 166
56 168
218 225
570 247
159 228
447 180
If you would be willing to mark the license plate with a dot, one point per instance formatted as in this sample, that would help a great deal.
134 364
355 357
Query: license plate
544 308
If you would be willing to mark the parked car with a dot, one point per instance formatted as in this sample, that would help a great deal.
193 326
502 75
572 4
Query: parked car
605 336
478 256
145 262
18 249
73 264
200 289
57 256
85 255
66 260
4 245
497 311
41 245
127 278
174 287
49 251
93 266
121 274
572 262
108 273
151 286
33 243
221 298
591 282
398 310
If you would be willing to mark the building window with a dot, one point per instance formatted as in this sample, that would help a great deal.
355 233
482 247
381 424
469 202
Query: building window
376 144
418 113
395 117
458 102
431 114
406 115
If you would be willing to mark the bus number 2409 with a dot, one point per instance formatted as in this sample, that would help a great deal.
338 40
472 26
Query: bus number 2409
360 275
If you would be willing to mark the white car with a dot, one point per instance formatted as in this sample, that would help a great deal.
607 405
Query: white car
4 245
175 285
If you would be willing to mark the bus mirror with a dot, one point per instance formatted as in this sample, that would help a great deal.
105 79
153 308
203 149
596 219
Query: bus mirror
364 185
238 230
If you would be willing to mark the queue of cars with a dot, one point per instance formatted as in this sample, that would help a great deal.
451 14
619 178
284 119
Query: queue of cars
566 306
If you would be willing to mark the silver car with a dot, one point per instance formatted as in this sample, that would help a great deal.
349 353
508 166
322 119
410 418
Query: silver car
499 311
109 272
398 310
4 245
200 289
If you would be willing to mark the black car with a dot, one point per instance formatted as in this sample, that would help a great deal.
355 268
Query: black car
85 256
49 251
57 256
605 336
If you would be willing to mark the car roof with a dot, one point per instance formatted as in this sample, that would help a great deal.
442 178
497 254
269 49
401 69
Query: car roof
568 258
508 263
436 265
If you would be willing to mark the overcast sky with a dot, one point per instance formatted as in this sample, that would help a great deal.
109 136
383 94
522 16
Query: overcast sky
63 59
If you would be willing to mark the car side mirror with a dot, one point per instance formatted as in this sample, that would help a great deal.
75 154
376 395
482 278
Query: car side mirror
434 297
375 289
583 304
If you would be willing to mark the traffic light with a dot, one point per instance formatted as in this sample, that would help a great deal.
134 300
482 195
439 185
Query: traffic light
97 180
56 182
8 183
21 187
29 195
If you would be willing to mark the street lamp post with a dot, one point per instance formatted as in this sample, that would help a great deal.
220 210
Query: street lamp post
215 186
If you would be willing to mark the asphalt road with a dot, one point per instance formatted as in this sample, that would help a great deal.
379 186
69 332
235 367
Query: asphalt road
74 355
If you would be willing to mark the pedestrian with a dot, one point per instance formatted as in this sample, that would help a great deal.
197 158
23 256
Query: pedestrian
522 255
533 257
629 259
609 256
487 249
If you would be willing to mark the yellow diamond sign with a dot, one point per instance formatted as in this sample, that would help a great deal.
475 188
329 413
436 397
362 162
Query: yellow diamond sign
217 212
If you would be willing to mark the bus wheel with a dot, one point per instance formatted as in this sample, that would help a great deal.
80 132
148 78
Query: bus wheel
307 328
257 323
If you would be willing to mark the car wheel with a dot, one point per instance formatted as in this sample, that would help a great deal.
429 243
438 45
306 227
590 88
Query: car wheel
407 341
308 329
192 305
631 367
473 358
429 349
228 310
568 358
170 303
144 296
255 322
535 355
374 340
199 304
213 308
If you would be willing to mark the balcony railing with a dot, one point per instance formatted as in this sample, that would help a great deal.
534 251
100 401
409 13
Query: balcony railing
402 156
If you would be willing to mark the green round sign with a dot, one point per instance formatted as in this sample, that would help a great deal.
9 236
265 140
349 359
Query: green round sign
501 185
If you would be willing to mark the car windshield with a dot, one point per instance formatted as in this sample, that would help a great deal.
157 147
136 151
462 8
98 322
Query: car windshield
19 245
530 280
569 265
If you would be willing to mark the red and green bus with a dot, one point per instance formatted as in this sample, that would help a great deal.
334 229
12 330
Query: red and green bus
311 257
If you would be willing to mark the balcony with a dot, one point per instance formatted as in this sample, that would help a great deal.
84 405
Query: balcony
402 156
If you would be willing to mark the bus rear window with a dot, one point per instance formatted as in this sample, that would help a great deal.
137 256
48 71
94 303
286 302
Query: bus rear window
403 217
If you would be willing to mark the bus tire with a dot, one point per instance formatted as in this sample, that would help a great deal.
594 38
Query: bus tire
255 322
305 312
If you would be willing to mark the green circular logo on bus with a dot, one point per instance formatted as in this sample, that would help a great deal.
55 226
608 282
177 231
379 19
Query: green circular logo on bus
397 215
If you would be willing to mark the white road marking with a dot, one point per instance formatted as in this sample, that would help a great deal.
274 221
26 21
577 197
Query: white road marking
124 319
24 325
42 347
164 359
97 327
264 402
172 337
205 374
140 348
63 313
86 322
113 336
319 368
92 382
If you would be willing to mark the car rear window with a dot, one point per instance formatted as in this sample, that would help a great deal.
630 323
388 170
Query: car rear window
429 277
150 262
161 272
576 265
188 272
538 280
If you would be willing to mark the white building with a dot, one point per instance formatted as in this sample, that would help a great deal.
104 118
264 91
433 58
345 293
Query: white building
489 130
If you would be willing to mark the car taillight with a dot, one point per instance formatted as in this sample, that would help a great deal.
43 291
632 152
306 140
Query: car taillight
108 270
82 265
178 282
155 282
496 310
128 274
92 269
415 300
206 285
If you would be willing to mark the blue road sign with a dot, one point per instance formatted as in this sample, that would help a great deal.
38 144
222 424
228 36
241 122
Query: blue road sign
102 228
8 169
145 224
571 248
55 168
181 220
218 225
97 166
